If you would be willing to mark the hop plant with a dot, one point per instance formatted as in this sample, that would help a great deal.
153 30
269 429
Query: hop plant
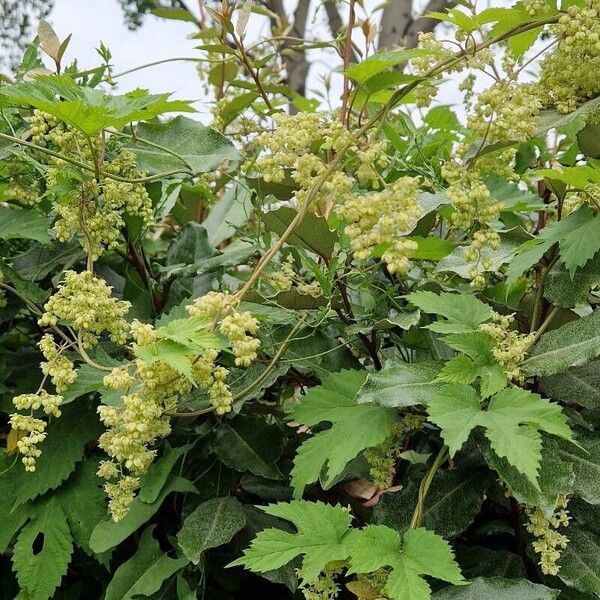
57 366
85 302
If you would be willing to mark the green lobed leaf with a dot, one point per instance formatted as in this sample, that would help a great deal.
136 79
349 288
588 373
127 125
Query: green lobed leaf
321 534
144 573
88 109
462 313
40 569
360 425
212 524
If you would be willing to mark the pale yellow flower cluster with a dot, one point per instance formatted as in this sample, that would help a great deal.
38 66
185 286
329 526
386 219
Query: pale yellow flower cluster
549 543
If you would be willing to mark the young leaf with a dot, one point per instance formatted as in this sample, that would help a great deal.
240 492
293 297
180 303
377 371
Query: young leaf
40 570
361 426
511 423
462 313
422 552
322 531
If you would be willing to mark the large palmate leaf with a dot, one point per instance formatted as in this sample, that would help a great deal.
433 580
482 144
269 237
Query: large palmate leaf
361 426
401 384
570 345
461 313
40 570
321 536
212 524
88 109
421 552
511 423
180 143
144 573
577 385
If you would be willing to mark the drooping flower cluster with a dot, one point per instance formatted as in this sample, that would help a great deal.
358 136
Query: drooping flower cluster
511 346
383 219
568 75
31 429
283 278
60 369
549 542
325 587
94 211
86 303
506 112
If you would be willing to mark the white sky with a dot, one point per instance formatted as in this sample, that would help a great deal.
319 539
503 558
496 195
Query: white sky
92 21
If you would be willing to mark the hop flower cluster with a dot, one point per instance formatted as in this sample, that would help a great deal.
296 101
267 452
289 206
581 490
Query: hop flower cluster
383 218
32 430
85 302
132 428
549 542
24 194
506 112
325 587
57 366
511 346
238 327
97 208
536 7
568 75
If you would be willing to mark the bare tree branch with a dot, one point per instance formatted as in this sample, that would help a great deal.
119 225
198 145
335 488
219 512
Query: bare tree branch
423 24
395 21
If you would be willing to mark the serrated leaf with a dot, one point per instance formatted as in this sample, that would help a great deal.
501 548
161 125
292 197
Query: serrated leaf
40 570
144 573
580 560
462 313
360 425
249 444
565 291
382 61
189 145
498 588
570 345
212 524
556 477
321 534
511 423
401 384
422 552
23 223
62 449
88 109
83 502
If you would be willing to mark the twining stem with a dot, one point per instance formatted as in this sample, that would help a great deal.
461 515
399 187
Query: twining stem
417 517
347 55
539 296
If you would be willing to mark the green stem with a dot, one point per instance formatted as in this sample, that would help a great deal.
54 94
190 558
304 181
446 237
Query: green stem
424 487
91 168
